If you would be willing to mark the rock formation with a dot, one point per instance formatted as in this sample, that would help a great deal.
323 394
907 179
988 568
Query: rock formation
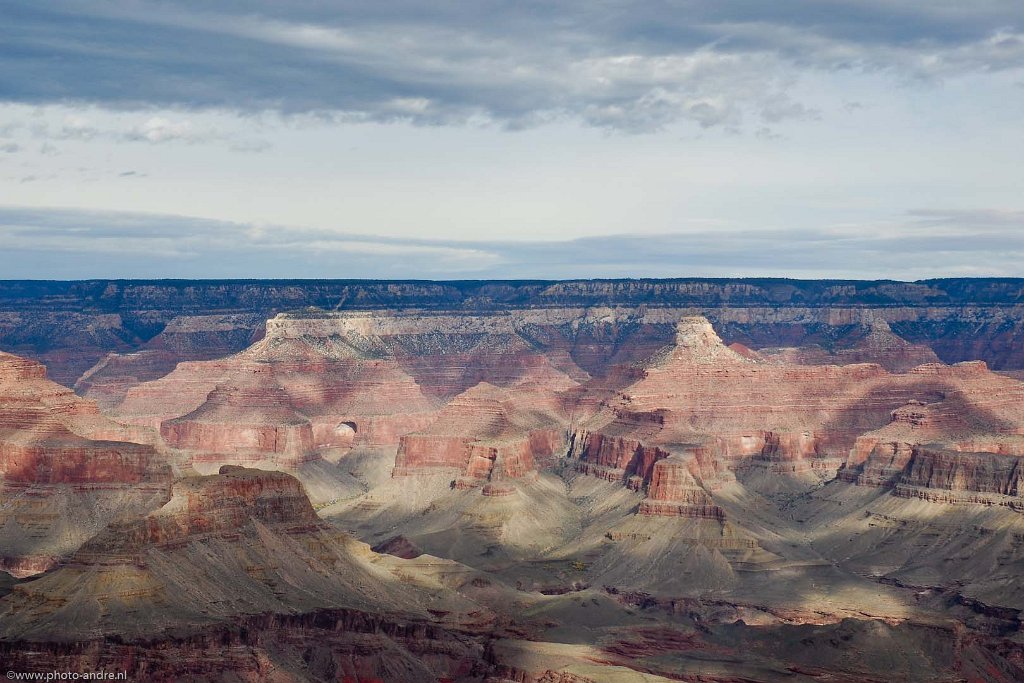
65 470
871 342
488 434
224 550
770 508
72 326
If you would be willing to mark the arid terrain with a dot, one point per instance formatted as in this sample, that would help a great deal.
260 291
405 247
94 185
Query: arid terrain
558 482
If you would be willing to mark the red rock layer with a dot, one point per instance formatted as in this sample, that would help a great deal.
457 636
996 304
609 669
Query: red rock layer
791 417
48 435
282 399
971 441
932 471
673 492
248 420
487 433
62 473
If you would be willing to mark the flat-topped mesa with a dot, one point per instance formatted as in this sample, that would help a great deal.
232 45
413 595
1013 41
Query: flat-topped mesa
445 354
383 375
674 492
487 434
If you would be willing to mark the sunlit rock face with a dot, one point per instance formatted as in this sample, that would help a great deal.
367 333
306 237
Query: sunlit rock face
746 409
551 493
65 470
487 434
239 549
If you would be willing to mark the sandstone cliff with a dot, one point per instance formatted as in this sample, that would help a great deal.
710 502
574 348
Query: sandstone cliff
65 470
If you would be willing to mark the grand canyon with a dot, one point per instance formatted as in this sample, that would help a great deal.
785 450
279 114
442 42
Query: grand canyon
559 482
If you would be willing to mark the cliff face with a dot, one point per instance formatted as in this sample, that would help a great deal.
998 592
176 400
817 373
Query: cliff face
65 470
149 326
695 518
743 410
250 537
239 550
488 434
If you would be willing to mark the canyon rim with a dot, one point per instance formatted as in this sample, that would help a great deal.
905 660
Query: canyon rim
629 341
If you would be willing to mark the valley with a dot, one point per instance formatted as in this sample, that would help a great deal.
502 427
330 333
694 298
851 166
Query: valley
532 482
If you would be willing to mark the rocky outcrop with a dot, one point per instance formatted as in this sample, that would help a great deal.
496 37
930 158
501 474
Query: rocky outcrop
249 419
968 442
487 434
747 411
674 492
872 342
65 470
241 542
946 475
239 557
283 400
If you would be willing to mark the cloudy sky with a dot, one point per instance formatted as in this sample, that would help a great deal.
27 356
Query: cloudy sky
800 138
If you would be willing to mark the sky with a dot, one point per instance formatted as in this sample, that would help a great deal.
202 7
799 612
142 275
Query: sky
466 140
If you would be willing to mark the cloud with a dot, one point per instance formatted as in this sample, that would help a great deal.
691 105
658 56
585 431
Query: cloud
65 123
158 129
69 244
634 66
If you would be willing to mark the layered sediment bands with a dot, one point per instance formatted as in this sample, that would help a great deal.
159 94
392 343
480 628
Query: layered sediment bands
673 492
487 434
211 505
50 436
62 474
933 471
744 411
873 342
238 574
184 338
448 354
322 645
970 442
250 419
225 546
74 325
281 399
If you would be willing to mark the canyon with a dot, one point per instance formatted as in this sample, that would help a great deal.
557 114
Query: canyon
714 480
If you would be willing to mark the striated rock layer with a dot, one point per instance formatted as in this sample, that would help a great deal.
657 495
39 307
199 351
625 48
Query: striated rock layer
746 411
488 434
73 325
242 548
65 470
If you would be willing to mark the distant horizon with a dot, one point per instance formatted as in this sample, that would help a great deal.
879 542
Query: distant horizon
753 278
